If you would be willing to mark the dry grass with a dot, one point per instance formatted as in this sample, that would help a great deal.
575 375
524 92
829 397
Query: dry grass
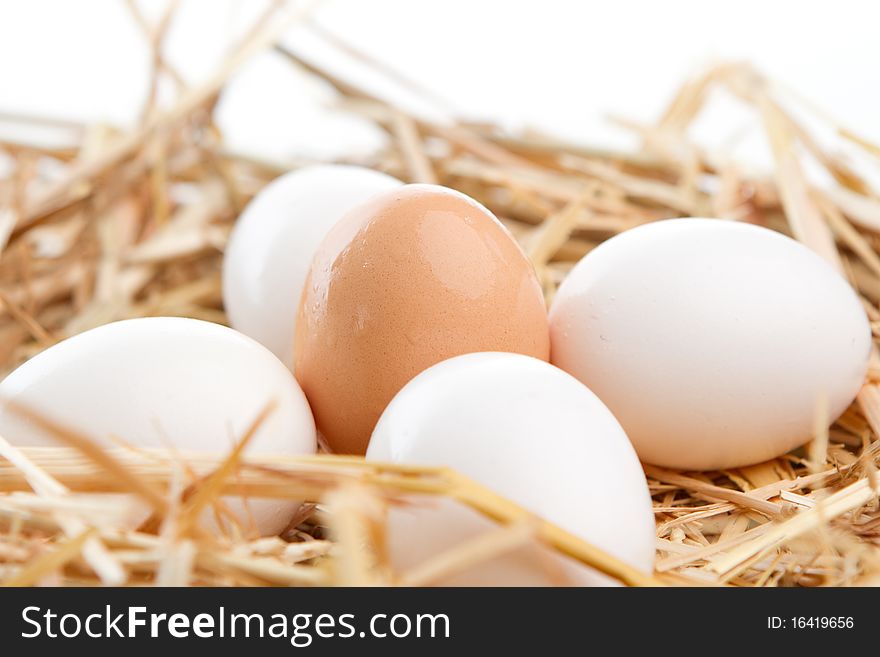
128 225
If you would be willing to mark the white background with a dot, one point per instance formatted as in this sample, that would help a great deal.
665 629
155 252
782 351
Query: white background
561 67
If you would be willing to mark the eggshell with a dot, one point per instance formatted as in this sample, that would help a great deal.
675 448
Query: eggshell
412 277
713 342
273 242
164 382
532 433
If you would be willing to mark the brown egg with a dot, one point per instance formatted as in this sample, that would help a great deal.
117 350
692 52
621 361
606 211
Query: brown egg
414 276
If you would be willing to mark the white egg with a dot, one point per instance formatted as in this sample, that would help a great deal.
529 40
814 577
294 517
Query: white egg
271 247
165 382
715 344
532 433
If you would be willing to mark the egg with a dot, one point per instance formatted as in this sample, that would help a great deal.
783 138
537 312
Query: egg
716 344
164 382
532 433
411 277
273 242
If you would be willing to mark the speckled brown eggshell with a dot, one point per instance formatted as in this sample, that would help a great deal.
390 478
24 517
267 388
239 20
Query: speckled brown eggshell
412 277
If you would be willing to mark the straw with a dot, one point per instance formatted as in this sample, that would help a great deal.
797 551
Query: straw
116 224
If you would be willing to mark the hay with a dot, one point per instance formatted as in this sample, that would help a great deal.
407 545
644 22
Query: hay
127 225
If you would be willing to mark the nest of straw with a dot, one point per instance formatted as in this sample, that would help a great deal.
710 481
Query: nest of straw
133 224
